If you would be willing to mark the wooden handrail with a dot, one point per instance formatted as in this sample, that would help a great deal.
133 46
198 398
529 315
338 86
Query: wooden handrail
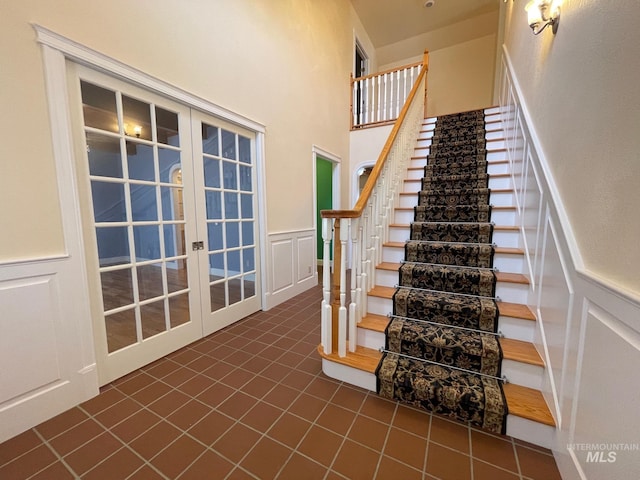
391 70
382 158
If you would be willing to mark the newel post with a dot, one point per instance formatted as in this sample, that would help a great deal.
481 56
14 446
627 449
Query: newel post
335 289
325 309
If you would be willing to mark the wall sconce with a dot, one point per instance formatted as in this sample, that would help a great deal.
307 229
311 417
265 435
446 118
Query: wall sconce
137 130
541 14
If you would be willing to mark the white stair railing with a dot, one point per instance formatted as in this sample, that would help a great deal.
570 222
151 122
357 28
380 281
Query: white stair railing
378 98
365 228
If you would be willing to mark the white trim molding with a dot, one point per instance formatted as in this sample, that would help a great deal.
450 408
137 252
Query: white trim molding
86 56
588 332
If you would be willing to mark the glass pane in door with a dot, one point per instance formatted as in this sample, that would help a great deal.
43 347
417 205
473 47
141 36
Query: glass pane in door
135 167
228 183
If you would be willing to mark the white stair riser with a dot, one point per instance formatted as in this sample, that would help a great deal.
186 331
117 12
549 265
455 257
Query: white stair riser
494 135
408 201
512 292
423 143
506 238
371 339
504 217
498 155
495 167
425 134
517 427
502 199
524 374
516 328
530 431
349 375
419 162
518 373
493 145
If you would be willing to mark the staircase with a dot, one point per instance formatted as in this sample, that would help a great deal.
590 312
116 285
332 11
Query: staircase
529 418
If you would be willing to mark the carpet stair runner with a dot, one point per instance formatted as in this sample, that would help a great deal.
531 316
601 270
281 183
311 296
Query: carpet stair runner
442 352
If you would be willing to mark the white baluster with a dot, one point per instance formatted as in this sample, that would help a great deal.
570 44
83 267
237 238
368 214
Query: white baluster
354 102
398 101
385 115
342 311
325 309
353 306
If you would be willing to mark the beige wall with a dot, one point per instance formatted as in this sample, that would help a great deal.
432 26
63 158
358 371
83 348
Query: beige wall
283 63
580 88
462 60
461 77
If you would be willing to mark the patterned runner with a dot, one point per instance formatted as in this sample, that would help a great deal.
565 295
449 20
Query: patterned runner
441 352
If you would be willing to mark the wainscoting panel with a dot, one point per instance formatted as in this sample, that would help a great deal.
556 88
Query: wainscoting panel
30 315
46 349
588 332
612 411
291 265
554 310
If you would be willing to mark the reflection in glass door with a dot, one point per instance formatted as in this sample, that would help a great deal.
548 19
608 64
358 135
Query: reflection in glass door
134 153
225 186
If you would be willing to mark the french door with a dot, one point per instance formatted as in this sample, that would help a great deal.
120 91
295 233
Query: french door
171 234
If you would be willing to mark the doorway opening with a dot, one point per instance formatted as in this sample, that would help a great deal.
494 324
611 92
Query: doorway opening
327 193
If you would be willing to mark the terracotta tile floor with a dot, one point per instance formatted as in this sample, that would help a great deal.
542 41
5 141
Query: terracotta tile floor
251 402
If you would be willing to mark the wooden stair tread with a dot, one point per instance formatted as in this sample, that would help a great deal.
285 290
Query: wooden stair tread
512 278
366 359
371 321
394 244
382 292
388 266
527 403
510 250
520 351
521 401
516 310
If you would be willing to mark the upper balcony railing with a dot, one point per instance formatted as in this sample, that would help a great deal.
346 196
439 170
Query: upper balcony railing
365 228
377 99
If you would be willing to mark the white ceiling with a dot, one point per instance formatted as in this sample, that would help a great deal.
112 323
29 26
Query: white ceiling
390 21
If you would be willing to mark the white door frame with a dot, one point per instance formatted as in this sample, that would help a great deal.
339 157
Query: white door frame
57 50
317 152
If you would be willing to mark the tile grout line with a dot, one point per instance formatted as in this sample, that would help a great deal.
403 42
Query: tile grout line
55 453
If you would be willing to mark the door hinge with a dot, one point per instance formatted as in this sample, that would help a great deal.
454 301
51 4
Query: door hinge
197 246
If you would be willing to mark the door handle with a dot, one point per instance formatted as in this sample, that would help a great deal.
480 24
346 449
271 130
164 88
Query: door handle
197 246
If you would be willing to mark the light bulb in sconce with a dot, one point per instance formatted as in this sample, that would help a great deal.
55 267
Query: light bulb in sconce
137 130
541 14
